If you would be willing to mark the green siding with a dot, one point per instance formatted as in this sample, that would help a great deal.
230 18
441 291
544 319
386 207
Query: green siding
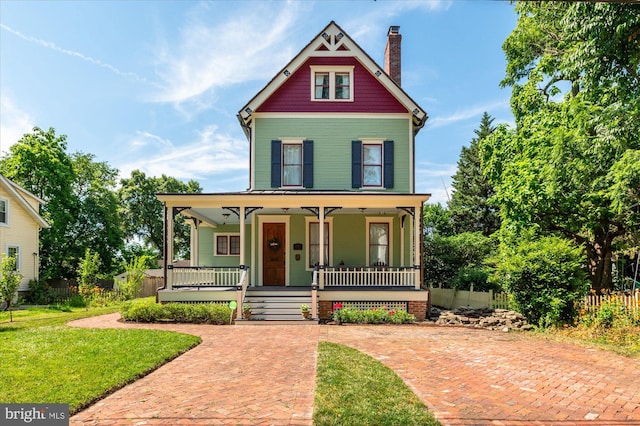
332 147
206 245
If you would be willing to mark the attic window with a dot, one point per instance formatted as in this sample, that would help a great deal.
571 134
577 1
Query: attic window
332 83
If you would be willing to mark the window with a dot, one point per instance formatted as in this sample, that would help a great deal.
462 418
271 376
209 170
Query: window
379 244
227 245
4 212
371 165
332 83
313 241
14 251
292 164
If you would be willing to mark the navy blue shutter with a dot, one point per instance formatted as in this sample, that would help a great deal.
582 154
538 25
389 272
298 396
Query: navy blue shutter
307 164
356 164
276 164
388 164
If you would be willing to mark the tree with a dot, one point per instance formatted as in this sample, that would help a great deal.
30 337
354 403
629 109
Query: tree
134 276
39 163
141 212
575 78
88 275
9 281
470 208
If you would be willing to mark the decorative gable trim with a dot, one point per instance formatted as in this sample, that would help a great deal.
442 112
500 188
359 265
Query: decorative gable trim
332 41
17 192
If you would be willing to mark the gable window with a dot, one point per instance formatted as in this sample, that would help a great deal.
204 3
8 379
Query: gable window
4 212
331 83
313 242
292 163
372 164
227 245
14 251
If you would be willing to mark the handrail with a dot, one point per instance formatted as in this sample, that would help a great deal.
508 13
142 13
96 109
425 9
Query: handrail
241 291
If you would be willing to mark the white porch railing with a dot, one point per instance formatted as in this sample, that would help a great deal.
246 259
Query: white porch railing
368 276
203 276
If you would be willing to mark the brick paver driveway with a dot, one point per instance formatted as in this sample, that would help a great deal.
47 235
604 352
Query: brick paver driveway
265 375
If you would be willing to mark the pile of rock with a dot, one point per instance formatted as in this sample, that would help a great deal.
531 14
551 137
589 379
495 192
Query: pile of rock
490 319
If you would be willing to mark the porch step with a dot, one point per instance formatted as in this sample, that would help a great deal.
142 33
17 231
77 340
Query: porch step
277 304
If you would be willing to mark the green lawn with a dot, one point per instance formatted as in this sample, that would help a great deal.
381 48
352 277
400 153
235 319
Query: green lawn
45 361
355 389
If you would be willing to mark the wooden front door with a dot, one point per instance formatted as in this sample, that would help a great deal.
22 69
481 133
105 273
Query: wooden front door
273 253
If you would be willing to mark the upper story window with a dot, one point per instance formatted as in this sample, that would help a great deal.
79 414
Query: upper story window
4 212
292 164
372 165
332 83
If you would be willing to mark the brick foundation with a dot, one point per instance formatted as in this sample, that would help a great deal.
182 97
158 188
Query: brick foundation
325 309
419 309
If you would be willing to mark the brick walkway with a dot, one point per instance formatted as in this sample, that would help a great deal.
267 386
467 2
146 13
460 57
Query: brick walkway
264 375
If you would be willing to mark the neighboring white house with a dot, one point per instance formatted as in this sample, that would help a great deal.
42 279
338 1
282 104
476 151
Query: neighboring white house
20 226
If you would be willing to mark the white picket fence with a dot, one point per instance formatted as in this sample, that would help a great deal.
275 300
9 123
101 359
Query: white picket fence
449 298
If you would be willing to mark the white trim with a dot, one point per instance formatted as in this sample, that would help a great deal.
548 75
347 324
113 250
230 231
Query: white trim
19 250
291 141
379 219
7 210
312 219
286 219
380 143
345 115
228 235
332 71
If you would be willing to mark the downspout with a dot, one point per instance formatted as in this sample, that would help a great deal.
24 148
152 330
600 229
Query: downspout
164 251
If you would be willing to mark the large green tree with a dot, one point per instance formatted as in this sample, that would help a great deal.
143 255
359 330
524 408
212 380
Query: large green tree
142 214
564 169
469 207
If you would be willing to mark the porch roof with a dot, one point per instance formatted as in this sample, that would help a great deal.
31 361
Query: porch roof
215 208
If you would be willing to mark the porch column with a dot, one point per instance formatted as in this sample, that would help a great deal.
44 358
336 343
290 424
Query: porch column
195 242
417 248
242 236
321 258
170 236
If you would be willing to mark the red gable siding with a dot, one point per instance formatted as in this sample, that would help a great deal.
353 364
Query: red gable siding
295 94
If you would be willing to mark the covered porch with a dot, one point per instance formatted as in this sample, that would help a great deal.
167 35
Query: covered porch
370 250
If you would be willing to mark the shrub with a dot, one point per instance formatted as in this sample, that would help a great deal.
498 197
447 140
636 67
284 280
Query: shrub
130 287
372 316
545 278
147 310
40 293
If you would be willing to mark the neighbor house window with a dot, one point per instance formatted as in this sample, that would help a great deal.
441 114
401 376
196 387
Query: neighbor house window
313 242
14 251
4 212
332 83
227 245
292 164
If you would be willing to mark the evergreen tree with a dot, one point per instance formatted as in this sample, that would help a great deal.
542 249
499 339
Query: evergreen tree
469 206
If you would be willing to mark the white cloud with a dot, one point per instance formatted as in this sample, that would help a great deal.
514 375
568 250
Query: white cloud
86 58
210 154
465 114
435 179
252 44
14 123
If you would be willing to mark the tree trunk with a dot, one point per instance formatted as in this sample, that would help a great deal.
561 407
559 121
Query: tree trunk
600 269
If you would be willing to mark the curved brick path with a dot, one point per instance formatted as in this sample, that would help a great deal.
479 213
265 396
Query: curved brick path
264 375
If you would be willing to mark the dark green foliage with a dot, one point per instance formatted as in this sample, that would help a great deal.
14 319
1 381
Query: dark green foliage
445 257
545 277
470 209
40 293
142 212
437 220
373 316
147 310
476 277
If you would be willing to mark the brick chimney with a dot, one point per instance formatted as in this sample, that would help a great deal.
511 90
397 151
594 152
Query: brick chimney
392 52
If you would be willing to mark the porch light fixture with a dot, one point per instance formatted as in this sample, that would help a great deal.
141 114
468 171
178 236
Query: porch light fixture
226 216
362 209
285 209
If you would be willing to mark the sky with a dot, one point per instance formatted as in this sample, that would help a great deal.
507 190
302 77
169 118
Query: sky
156 85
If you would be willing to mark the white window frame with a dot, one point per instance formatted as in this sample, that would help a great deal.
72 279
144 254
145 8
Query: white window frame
19 251
228 236
332 71
307 221
7 206
379 142
379 219
284 142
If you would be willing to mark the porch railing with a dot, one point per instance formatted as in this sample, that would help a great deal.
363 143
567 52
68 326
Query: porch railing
204 276
369 276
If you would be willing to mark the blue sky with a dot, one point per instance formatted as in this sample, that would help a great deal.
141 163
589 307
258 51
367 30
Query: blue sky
156 85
